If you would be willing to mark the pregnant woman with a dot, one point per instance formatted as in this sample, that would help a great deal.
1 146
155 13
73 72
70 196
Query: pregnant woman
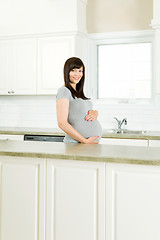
75 115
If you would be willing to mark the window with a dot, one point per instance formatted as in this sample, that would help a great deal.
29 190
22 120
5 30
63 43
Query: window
125 71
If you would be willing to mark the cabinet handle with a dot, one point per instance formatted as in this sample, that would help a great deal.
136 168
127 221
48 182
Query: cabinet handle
11 92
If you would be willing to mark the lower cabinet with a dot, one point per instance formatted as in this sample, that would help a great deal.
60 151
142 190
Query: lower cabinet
75 200
22 198
51 199
11 137
126 142
154 143
132 202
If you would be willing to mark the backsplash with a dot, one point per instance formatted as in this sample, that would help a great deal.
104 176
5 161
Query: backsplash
138 118
40 111
28 111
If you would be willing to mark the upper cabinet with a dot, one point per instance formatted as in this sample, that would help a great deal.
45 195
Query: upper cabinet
52 53
5 58
18 67
34 65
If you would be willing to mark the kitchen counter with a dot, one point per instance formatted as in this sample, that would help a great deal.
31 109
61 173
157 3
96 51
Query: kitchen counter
149 135
60 187
83 152
30 130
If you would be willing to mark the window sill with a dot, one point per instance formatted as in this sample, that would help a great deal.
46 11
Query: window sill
115 104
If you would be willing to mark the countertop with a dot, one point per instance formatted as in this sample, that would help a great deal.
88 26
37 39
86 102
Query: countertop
83 152
30 130
149 135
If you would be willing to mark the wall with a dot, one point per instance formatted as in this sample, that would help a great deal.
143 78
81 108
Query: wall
41 16
40 111
118 15
138 118
28 111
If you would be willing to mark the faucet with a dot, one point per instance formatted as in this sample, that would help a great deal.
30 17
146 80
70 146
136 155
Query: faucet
120 123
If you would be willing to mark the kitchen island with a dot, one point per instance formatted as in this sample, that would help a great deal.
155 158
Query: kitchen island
78 191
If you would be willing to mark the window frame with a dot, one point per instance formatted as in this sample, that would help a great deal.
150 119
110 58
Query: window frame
117 38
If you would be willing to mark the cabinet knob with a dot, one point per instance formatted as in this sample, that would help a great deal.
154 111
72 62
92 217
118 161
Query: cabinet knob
11 92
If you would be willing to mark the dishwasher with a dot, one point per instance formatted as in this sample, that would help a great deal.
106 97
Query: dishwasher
44 138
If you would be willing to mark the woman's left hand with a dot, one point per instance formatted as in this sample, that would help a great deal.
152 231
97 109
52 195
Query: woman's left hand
92 115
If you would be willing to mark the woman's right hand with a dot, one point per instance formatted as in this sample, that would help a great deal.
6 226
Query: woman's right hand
92 140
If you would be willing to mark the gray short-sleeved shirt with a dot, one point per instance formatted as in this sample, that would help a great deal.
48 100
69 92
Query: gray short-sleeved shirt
78 109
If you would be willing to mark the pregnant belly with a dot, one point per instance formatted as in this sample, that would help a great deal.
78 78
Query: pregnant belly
88 128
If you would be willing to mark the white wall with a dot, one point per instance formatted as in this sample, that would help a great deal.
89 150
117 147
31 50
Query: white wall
142 118
40 111
35 16
28 111
41 16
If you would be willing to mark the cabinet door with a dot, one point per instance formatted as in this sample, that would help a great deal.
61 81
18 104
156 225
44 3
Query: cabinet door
132 202
75 200
5 66
52 54
127 142
11 137
24 67
18 67
154 143
22 198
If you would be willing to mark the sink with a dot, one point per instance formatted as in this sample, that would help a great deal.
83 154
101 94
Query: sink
126 131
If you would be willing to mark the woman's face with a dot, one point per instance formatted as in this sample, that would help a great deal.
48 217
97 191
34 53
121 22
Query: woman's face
75 75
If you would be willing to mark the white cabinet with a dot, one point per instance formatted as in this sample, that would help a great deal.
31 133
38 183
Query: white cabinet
34 65
127 142
22 198
18 66
132 202
73 207
75 200
11 137
78 200
52 54
5 65
154 143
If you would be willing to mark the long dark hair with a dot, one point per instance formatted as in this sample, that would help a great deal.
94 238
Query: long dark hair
70 64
